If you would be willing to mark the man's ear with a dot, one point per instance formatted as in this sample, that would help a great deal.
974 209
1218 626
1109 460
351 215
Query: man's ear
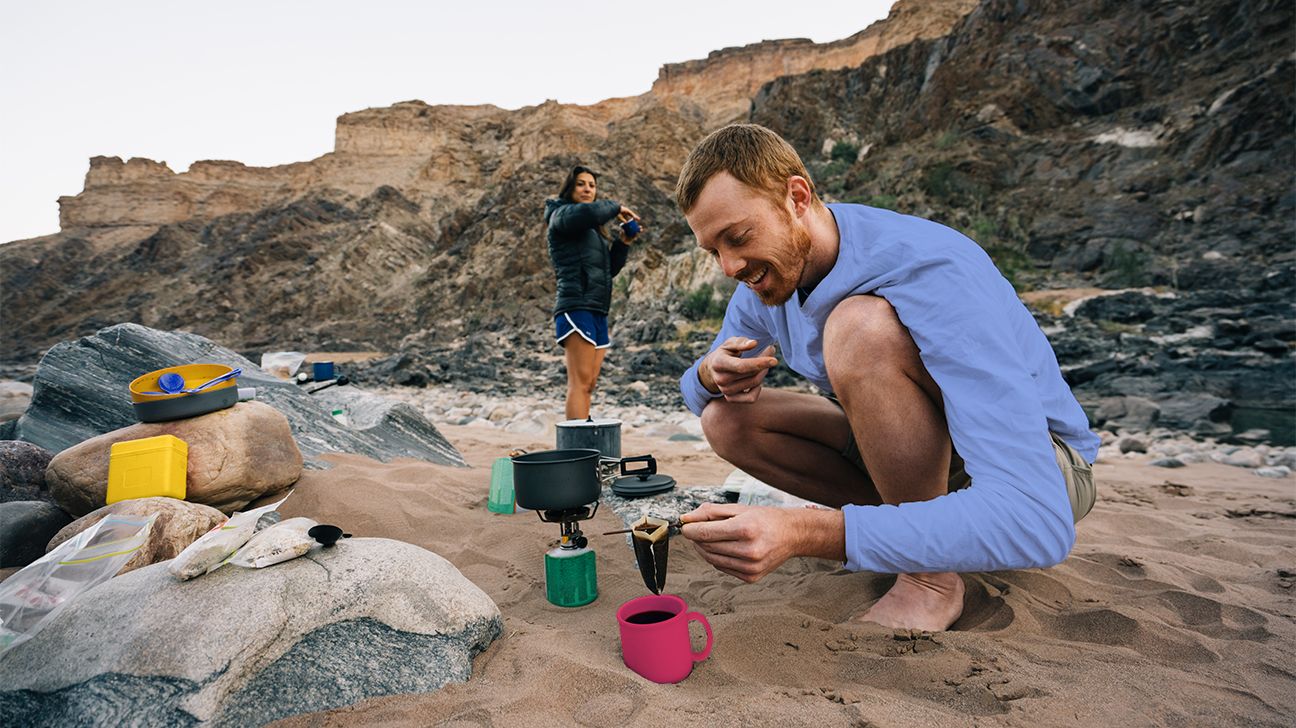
799 194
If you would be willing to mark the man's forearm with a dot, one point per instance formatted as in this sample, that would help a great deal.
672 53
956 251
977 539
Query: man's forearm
820 533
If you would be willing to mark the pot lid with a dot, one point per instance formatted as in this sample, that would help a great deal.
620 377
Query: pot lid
590 423
634 486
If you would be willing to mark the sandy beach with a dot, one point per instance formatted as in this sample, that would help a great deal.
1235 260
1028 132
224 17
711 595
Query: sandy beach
1175 608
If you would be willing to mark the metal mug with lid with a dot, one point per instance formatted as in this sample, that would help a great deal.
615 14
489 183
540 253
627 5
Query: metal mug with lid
603 435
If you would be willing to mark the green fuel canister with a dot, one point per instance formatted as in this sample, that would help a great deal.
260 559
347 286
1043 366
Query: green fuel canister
571 579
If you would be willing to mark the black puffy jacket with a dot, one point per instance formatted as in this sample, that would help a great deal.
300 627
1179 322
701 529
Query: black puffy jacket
581 257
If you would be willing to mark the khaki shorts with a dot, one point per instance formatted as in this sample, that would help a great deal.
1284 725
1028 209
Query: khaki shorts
1075 471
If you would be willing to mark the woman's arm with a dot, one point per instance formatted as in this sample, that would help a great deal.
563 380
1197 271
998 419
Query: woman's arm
579 216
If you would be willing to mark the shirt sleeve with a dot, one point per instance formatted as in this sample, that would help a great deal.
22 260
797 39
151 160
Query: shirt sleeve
583 216
742 318
1016 513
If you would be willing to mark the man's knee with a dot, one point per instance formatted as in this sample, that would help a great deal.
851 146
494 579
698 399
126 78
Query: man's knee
863 334
721 425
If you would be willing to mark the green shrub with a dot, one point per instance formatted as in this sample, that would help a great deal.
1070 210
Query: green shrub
886 202
845 152
937 181
835 168
1126 266
706 302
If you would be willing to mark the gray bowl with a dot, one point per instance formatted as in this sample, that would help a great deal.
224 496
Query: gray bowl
190 405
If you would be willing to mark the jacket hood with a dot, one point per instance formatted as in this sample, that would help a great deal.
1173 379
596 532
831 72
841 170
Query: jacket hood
551 204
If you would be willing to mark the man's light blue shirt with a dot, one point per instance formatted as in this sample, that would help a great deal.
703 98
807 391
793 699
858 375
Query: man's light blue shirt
1002 389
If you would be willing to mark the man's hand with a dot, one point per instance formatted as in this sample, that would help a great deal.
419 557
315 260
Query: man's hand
725 371
751 541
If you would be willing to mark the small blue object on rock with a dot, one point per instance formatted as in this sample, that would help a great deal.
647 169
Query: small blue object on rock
171 382
322 370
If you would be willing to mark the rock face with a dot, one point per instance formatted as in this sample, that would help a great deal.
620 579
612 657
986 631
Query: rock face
179 523
235 456
722 84
243 647
408 214
81 391
1082 144
25 528
22 471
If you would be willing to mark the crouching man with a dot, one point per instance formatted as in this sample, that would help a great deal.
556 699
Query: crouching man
949 442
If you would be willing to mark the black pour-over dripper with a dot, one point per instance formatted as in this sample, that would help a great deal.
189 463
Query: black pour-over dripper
326 534
651 540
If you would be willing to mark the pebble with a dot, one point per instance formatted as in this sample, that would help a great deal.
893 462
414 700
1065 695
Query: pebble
1167 463
1243 458
1133 444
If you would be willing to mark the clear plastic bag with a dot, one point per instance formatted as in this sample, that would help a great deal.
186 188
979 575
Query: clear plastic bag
282 364
214 548
281 542
32 597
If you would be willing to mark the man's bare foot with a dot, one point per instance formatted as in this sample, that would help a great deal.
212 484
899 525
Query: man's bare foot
930 602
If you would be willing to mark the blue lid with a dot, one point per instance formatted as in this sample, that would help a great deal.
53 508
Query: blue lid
171 382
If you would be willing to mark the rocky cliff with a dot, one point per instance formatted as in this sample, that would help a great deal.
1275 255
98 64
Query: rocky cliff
1092 143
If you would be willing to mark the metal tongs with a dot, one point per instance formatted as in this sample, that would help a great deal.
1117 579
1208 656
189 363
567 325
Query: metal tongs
651 540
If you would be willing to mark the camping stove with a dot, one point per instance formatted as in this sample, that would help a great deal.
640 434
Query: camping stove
570 576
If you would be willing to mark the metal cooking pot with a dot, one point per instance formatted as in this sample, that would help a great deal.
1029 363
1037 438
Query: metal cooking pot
556 479
603 435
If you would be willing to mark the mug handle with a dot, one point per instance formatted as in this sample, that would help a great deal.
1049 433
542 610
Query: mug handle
696 617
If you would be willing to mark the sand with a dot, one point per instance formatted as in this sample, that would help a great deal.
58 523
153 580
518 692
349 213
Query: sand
1175 608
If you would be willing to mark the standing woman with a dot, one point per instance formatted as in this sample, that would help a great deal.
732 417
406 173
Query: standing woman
585 258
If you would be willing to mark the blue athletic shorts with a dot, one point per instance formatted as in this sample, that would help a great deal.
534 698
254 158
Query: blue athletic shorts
591 327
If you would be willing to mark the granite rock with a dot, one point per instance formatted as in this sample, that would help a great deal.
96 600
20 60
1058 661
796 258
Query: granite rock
80 391
179 523
22 471
25 528
235 456
244 647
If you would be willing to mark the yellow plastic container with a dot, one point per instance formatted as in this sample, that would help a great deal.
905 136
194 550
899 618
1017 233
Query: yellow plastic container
152 466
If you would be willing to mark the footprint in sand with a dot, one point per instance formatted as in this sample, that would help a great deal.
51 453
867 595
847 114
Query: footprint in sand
1214 619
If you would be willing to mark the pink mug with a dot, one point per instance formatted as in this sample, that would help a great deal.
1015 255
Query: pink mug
655 637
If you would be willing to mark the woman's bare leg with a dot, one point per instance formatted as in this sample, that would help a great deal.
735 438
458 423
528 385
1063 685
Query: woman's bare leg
583 365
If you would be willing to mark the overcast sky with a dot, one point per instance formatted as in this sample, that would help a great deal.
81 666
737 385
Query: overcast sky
263 82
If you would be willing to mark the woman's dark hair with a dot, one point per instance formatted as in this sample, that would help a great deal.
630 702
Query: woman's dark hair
569 185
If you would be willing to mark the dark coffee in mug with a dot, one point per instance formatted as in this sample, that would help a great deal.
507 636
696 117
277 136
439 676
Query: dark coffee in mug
649 617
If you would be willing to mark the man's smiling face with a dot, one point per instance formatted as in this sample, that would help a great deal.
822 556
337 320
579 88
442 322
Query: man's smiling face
756 241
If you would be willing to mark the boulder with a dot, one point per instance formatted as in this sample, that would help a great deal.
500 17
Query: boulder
1129 413
245 647
236 455
22 471
1132 444
25 528
1182 410
80 391
179 523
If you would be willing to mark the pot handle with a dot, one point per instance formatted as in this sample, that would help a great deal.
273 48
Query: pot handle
642 473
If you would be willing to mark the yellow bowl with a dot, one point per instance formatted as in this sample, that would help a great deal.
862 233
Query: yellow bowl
195 375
